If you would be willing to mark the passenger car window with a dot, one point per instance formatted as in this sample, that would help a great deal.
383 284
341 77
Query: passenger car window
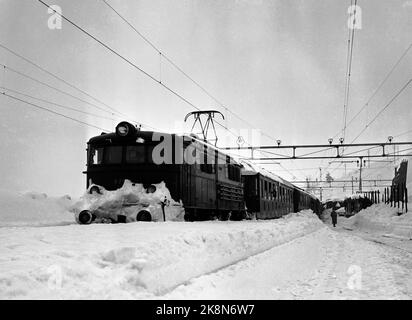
113 155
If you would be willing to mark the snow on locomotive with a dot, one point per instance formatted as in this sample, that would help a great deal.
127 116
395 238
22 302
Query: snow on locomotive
135 175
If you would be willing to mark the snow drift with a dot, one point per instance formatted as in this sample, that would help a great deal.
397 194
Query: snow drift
132 261
34 209
382 219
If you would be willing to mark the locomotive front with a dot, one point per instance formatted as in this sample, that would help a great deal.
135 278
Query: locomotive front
127 178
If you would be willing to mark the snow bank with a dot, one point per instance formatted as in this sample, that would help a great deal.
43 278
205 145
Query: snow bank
132 261
382 219
35 209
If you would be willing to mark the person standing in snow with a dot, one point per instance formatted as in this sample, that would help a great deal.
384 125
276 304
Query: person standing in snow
334 216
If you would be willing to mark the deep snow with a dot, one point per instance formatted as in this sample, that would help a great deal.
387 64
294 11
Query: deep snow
382 219
321 265
44 254
135 260
34 209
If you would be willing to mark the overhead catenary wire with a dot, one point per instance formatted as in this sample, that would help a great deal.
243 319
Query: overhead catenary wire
58 78
349 57
52 111
5 89
130 63
383 109
143 71
390 72
349 68
164 56
404 53
24 75
402 134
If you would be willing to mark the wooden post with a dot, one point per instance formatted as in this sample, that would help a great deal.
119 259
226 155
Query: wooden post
406 199
397 194
402 195
388 197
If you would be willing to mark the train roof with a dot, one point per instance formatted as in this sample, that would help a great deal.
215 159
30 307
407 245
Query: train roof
147 136
252 169
103 137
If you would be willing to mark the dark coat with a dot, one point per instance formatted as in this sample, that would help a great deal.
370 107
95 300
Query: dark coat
334 216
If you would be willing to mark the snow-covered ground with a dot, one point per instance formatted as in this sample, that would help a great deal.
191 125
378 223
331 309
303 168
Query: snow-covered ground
321 265
44 254
135 260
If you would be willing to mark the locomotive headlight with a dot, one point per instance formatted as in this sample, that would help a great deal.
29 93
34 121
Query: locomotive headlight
122 130
125 129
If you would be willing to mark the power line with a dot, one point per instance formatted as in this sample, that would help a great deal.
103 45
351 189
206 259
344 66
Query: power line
54 88
379 86
58 78
63 92
376 91
163 55
403 133
130 62
134 65
51 111
383 109
349 70
57 104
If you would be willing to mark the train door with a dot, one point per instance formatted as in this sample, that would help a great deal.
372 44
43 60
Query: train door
296 199
187 185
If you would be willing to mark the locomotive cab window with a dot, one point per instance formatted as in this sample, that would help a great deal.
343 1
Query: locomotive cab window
96 155
233 172
113 155
206 158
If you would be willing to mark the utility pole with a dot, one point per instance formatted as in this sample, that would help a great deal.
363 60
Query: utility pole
360 173
369 159
320 179
352 186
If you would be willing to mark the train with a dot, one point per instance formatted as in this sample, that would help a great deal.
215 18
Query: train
209 183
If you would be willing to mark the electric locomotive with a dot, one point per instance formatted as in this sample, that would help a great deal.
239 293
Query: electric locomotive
209 183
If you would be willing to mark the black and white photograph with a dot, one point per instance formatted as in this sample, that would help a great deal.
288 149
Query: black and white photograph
205 155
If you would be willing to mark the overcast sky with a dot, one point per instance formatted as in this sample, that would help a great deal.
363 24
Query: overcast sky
280 65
